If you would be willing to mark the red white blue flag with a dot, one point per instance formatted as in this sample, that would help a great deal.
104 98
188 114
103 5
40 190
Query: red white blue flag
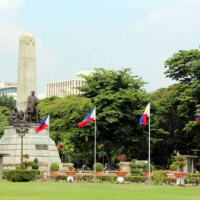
42 125
146 114
90 117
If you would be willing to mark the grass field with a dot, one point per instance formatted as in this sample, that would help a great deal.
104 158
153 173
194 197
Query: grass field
93 191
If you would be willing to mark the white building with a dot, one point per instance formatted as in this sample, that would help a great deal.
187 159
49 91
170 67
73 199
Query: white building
66 87
9 89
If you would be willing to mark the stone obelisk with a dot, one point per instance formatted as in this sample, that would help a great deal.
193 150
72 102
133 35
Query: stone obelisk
39 146
26 81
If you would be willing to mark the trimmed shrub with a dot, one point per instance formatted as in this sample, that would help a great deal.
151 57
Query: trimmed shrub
140 166
180 160
35 160
54 167
99 167
71 168
134 166
173 167
137 171
35 165
20 175
146 167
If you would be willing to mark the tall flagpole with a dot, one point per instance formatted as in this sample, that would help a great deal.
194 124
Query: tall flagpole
48 147
95 147
149 146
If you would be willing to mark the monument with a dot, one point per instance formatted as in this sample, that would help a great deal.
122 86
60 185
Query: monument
26 114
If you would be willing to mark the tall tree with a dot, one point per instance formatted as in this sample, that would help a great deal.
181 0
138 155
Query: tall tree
120 99
65 114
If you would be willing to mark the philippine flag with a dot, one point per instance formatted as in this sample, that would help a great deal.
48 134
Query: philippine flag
42 125
90 117
146 114
197 119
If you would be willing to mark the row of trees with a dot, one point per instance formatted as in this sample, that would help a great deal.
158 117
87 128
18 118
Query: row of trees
120 99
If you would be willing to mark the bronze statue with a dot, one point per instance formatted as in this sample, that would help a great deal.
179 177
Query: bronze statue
15 116
32 113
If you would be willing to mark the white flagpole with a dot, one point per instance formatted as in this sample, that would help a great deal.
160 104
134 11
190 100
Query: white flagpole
95 147
48 147
149 147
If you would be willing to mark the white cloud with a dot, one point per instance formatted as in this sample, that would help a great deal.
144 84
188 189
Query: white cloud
10 4
9 37
45 57
170 24
10 33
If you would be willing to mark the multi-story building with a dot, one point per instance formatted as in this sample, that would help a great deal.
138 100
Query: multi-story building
9 89
66 87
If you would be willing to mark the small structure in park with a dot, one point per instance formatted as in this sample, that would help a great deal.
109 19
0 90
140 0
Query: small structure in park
27 115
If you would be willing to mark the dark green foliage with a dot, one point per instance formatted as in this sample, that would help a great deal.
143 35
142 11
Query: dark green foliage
35 165
120 99
146 167
54 167
35 160
7 101
5 112
20 175
99 167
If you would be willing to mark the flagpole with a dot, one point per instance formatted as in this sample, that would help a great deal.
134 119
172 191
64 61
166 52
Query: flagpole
149 147
48 146
95 147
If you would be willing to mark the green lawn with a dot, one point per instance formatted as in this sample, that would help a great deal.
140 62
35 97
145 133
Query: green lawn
93 191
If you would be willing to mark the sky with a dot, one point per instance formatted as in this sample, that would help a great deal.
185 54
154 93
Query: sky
75 35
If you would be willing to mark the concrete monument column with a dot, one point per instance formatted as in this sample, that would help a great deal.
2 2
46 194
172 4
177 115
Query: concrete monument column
26 81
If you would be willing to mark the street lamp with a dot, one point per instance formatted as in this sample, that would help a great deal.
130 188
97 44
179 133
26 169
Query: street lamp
21 131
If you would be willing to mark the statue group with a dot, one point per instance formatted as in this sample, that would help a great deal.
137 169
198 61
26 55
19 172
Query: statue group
31 115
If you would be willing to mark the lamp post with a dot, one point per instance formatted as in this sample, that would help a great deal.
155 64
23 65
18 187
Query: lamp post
21 131
198 115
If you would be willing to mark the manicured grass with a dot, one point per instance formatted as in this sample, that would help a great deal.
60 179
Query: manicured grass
91 191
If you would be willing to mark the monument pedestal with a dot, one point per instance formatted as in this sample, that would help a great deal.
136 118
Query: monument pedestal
39 146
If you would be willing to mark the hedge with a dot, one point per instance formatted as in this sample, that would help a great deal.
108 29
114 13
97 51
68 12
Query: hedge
20 175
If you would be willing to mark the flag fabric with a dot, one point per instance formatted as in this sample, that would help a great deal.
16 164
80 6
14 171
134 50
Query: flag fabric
146 114
60 146
198 120
42 125
90 117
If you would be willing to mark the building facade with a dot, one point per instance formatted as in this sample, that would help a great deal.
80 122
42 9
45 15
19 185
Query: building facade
9 89
66 87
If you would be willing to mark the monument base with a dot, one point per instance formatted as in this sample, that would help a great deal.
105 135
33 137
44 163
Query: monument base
39 146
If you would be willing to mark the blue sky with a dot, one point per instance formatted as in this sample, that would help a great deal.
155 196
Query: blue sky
117 34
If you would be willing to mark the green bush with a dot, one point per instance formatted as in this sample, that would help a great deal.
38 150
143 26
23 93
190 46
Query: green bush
99 167
71 168
27 163
134 166
157 178
173 167
20 175
140 166
35 160
35 165
180 160
137 171
54 167
146 167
